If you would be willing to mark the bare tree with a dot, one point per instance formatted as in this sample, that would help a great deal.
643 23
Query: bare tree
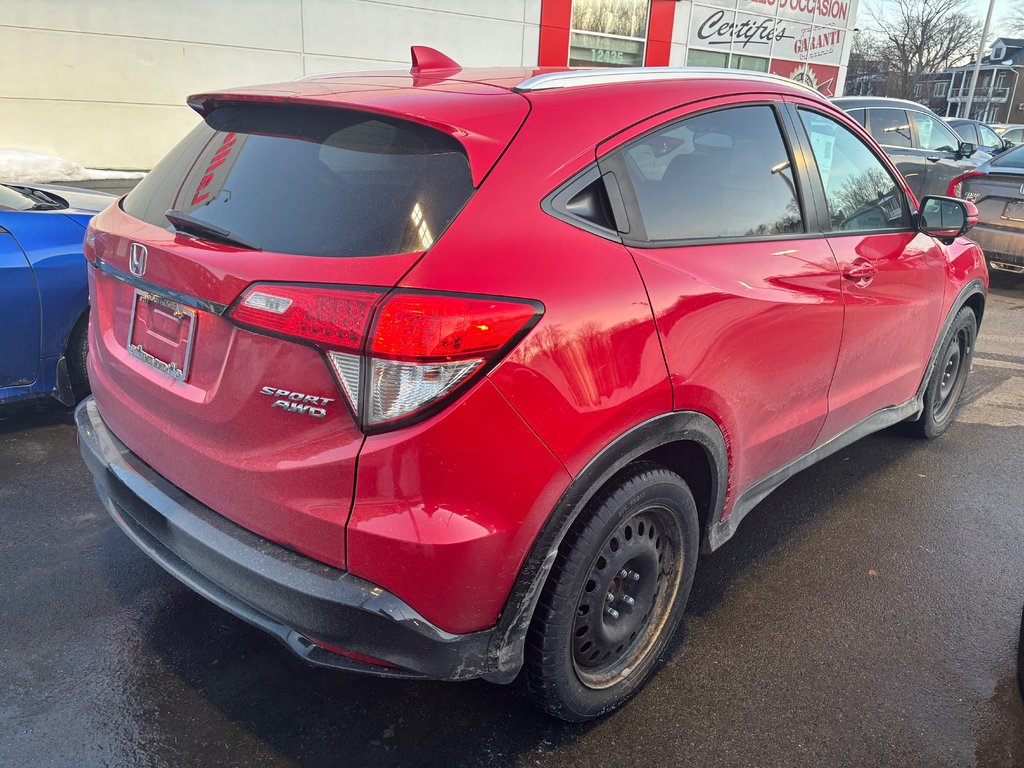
922 36
1012 21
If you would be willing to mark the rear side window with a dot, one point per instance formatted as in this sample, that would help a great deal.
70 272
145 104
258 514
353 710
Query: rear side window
311 181
966 132
860 116
861 194
1016 135
716 175
890 127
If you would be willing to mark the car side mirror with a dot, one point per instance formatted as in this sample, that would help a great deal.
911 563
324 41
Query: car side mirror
946 218
1007 144
967 149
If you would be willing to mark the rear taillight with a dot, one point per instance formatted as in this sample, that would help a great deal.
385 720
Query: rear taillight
956 185
89 245
397 358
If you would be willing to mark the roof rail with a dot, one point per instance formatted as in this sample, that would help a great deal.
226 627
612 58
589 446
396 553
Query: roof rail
580 77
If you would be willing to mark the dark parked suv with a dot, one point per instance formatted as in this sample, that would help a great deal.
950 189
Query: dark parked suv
455 373
927 151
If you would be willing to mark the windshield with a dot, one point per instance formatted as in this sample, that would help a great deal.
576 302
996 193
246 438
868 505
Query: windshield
310 181
14 201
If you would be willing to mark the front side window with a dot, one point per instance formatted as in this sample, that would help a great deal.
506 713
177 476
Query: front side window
860 192
890 127
721 174
933 134
987 137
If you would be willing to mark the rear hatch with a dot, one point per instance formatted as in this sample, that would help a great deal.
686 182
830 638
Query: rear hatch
303 198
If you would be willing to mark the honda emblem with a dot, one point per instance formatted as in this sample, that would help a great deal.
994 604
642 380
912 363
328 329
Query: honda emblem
137 259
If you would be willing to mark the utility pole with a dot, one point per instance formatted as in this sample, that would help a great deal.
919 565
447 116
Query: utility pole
977 60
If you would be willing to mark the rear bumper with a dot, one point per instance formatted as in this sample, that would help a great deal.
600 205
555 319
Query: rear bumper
1002 246
292 597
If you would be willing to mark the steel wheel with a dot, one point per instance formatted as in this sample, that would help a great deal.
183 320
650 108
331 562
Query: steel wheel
627 596
952 370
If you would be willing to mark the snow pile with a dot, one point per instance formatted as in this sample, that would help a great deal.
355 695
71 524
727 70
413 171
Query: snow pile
22 165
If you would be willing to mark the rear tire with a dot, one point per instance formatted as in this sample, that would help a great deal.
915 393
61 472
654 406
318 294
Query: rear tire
949 377
77 358
615 596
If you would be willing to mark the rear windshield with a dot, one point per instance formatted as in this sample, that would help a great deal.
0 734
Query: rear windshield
1014 158
311 181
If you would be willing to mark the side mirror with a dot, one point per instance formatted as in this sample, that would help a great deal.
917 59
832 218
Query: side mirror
967 149
1007 144
946 218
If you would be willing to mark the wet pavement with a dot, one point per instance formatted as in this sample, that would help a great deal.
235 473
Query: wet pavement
865 614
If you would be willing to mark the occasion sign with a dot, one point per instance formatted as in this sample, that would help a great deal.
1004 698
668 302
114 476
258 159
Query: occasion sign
823 11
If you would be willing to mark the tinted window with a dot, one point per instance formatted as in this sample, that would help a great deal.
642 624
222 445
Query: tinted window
965 131
933 134
987 137
860 192
1013 158
860 116
720 174
890 127
319 182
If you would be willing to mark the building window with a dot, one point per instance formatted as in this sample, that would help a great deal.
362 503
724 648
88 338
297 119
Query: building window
755 63
697 58
608 33
918 90
940 89
707 58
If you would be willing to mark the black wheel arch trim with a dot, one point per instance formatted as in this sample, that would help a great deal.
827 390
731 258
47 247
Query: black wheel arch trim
509 635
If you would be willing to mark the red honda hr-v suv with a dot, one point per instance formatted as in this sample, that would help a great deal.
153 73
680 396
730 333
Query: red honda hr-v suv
453 373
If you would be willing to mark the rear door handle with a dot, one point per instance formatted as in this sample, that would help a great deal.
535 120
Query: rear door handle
933 159
860 272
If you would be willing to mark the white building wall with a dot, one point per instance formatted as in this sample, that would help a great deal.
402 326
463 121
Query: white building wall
104 82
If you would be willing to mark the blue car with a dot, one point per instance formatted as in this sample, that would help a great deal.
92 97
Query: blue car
44 296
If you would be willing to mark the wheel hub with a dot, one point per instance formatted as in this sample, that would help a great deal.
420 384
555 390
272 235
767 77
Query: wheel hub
623 596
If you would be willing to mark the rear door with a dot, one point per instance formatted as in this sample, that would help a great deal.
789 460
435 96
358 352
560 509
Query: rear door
892 130
333 204
19 314
893 276
746 296
942 152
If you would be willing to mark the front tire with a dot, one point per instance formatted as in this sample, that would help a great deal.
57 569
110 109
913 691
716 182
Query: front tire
949 377
615 595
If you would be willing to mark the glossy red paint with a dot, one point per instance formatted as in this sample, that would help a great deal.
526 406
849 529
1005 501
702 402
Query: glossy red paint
443 513
892 317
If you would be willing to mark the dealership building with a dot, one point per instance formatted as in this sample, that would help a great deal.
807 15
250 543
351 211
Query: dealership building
104 84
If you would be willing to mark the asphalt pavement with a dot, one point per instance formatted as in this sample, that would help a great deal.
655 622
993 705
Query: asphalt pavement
866 614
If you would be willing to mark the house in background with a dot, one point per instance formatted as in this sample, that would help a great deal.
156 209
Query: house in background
999 93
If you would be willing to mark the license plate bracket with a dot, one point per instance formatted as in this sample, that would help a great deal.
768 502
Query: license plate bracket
161 334
1014 211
